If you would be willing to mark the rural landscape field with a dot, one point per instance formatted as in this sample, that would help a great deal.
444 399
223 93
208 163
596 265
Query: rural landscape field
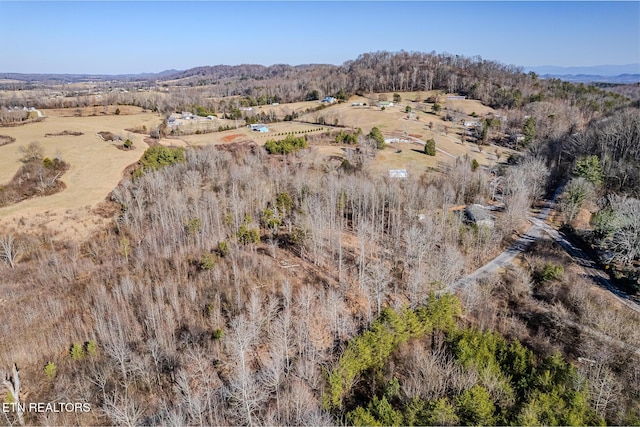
407 238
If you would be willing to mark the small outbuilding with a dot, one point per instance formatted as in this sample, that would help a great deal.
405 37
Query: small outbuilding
398 173
259 127
479 215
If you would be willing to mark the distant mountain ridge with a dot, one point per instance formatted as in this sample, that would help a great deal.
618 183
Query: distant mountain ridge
620 74
71 78
594 70
589 78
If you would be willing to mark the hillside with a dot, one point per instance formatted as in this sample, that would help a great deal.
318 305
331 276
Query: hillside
326 271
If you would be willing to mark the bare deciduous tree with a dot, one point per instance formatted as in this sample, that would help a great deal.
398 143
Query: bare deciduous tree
9 250
33 151
11 381
122 409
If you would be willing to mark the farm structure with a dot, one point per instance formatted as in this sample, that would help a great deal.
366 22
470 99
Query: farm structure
478 215
179 119
30 112
398 173
259 127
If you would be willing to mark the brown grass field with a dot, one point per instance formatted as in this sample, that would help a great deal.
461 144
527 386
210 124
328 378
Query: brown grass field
392 122
96 167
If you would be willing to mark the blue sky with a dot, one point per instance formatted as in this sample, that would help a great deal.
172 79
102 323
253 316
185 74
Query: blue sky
110 37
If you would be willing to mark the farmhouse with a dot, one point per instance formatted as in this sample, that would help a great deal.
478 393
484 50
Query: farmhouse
329 100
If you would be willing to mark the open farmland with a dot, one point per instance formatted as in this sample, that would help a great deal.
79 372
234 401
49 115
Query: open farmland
244 134
96 165
296 275
283 109
393 121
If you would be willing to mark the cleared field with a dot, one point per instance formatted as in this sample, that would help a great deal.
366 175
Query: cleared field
405 156
393 122
243 133
125 110
190 126
468 106
284 109
96 165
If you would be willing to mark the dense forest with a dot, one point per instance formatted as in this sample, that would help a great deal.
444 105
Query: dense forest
239 287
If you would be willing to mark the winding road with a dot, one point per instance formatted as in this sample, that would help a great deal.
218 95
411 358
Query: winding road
539 226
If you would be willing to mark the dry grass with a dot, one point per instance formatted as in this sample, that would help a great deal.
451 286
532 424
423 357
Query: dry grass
125 110
468 106
393 122
96 166
405 156
245 134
